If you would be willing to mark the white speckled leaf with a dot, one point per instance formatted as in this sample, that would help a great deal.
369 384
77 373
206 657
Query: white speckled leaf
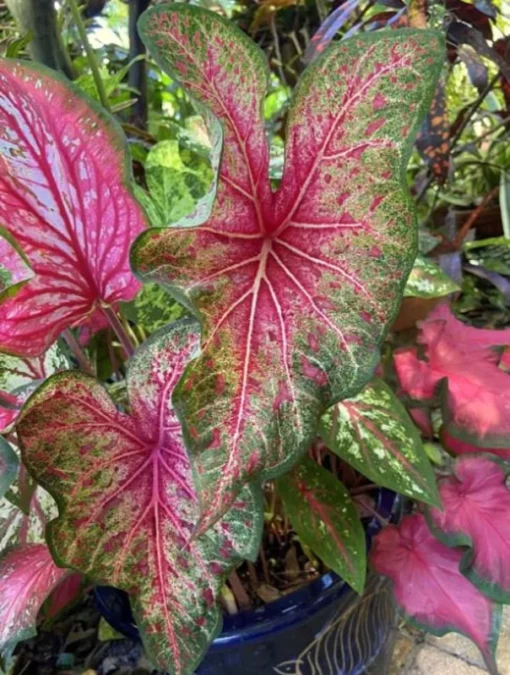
427 280
373 432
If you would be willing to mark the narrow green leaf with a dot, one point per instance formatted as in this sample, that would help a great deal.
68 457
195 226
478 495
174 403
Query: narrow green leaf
427 280
326 520
374 433
504 203
8 466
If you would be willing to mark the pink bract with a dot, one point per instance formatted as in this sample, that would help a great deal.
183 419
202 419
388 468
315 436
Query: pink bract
65 197
429 587
477 391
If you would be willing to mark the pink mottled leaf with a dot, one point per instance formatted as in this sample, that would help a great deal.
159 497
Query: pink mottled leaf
458 447
27 576
325 519
465 361
65 594
476 506
20 376
14 267
429 588
127 505
65 197
295 289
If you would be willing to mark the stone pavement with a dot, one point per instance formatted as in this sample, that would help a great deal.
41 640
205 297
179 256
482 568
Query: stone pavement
419 654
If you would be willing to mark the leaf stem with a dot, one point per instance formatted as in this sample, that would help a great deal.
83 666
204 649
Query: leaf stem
119 330
80 25
78 352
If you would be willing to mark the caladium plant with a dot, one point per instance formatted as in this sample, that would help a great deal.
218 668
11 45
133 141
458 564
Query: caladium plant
157 466
294 289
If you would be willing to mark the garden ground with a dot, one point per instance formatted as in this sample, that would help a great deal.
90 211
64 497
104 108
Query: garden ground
417 653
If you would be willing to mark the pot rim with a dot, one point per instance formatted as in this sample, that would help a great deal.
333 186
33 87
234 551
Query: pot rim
276 616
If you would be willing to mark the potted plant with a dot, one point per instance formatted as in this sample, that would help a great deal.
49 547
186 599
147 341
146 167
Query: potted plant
159 472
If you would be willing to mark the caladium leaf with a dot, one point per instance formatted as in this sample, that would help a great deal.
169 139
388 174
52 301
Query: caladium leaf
476 504
20 376
126 500
20 528
27 576
429 588
463 361
65 197
373 432
325 519
14 267
295 289
65 594
458 447
427 280
8 466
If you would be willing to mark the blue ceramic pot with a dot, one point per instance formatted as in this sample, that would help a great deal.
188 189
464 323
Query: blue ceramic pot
323 628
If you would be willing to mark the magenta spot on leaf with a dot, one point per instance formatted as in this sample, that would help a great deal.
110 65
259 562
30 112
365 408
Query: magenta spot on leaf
313 373
379 101
313 342
374 126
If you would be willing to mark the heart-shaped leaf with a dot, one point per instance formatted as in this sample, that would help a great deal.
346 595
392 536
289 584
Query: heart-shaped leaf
65 197
8 466
429 588
476 392
14 267
27 576
295 289
373 433
20 376
126 500
325 519
476 505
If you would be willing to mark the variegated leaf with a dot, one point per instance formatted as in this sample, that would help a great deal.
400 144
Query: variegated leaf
20 376
127 506
429 588
427 280
65 197
373 433
295 289
476 504
27 576
325 519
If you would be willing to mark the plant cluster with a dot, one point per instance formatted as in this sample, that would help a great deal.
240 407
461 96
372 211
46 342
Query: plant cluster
170 348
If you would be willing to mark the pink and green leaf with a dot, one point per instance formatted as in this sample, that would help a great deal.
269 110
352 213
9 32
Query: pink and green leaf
294 289
325 519
373 433
27 576
476 504
462 363
458 447
14 267
18 526
429 587
20 376
65 197
127 505
9 465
